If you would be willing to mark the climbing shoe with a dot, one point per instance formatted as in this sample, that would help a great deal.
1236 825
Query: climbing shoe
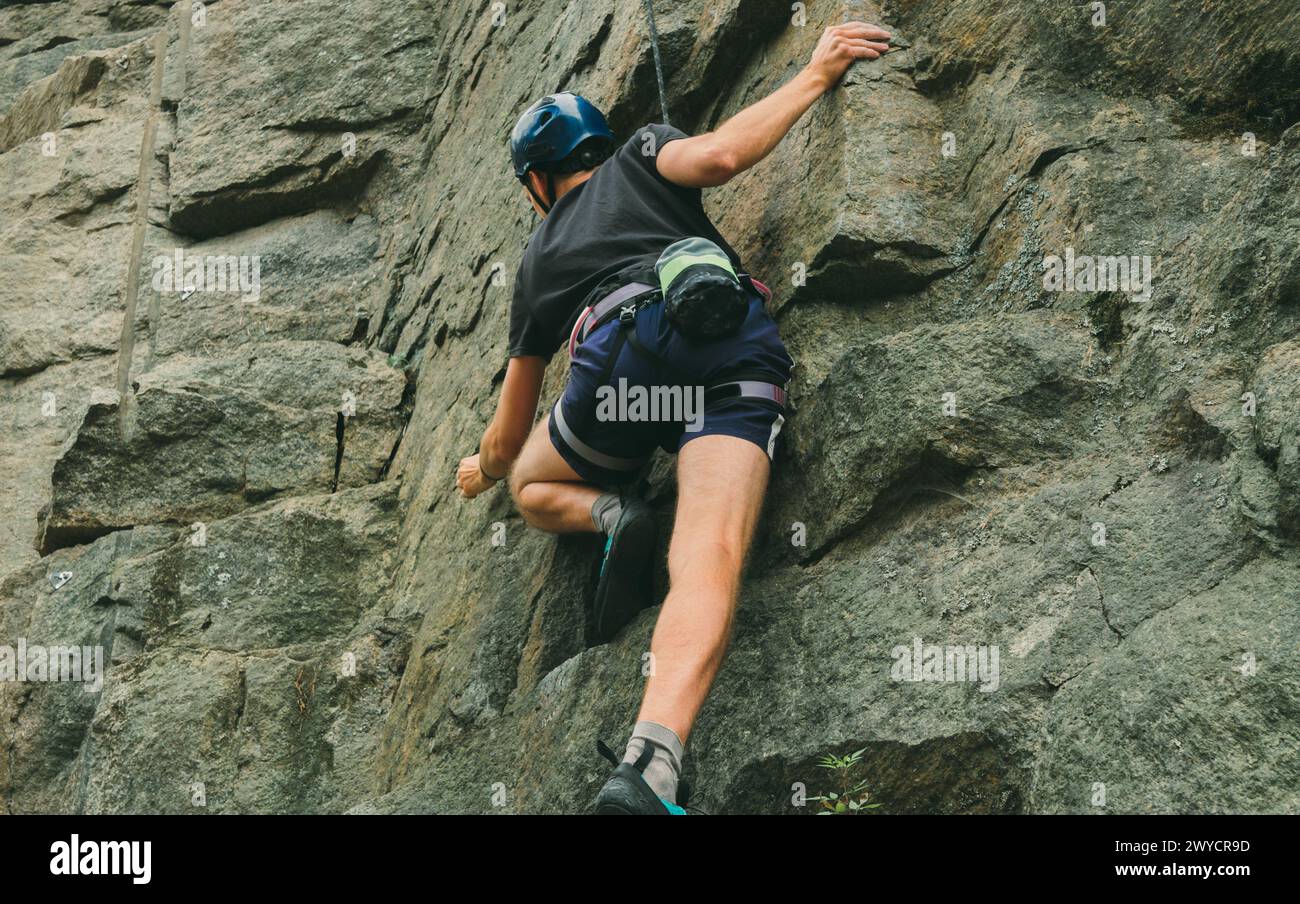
625 582
626 793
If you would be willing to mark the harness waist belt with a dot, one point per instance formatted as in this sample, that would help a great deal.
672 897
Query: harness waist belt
593 316
601 311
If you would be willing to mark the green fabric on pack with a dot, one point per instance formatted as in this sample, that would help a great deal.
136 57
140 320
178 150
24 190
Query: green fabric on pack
689 253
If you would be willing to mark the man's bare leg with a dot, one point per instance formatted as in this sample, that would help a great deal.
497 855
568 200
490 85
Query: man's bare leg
721 481
553 497
550 494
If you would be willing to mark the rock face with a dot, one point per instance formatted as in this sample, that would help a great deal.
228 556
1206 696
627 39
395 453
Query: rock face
258 263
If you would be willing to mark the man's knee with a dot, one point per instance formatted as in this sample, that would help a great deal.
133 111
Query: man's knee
517 484
524 473
527 496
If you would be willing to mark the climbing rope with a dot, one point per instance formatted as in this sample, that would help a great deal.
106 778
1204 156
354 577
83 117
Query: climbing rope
659 66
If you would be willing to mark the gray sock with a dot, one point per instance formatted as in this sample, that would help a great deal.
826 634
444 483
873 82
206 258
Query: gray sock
662 772
606 511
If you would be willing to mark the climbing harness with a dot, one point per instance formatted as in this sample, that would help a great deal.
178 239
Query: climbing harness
625 302
659 66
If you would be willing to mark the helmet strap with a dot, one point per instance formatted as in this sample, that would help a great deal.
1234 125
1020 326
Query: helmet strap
550 189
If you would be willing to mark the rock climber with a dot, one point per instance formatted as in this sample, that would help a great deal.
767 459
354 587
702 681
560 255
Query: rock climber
627 272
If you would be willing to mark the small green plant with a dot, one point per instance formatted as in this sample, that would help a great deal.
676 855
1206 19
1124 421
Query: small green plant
850 799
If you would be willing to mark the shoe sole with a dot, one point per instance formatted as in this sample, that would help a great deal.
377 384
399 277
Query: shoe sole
613 810
627 794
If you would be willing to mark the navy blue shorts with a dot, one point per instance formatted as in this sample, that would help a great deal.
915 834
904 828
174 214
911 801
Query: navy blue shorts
607 429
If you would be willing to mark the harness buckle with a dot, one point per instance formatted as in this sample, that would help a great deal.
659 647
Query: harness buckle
627 314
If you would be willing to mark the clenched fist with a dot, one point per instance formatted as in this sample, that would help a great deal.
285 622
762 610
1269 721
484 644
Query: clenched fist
470 478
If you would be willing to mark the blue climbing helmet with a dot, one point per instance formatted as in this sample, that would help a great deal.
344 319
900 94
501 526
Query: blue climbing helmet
549 132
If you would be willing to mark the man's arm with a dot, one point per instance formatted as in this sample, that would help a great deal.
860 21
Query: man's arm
505 436
746 138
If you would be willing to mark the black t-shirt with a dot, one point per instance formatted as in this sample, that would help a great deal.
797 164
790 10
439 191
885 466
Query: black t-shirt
625 214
